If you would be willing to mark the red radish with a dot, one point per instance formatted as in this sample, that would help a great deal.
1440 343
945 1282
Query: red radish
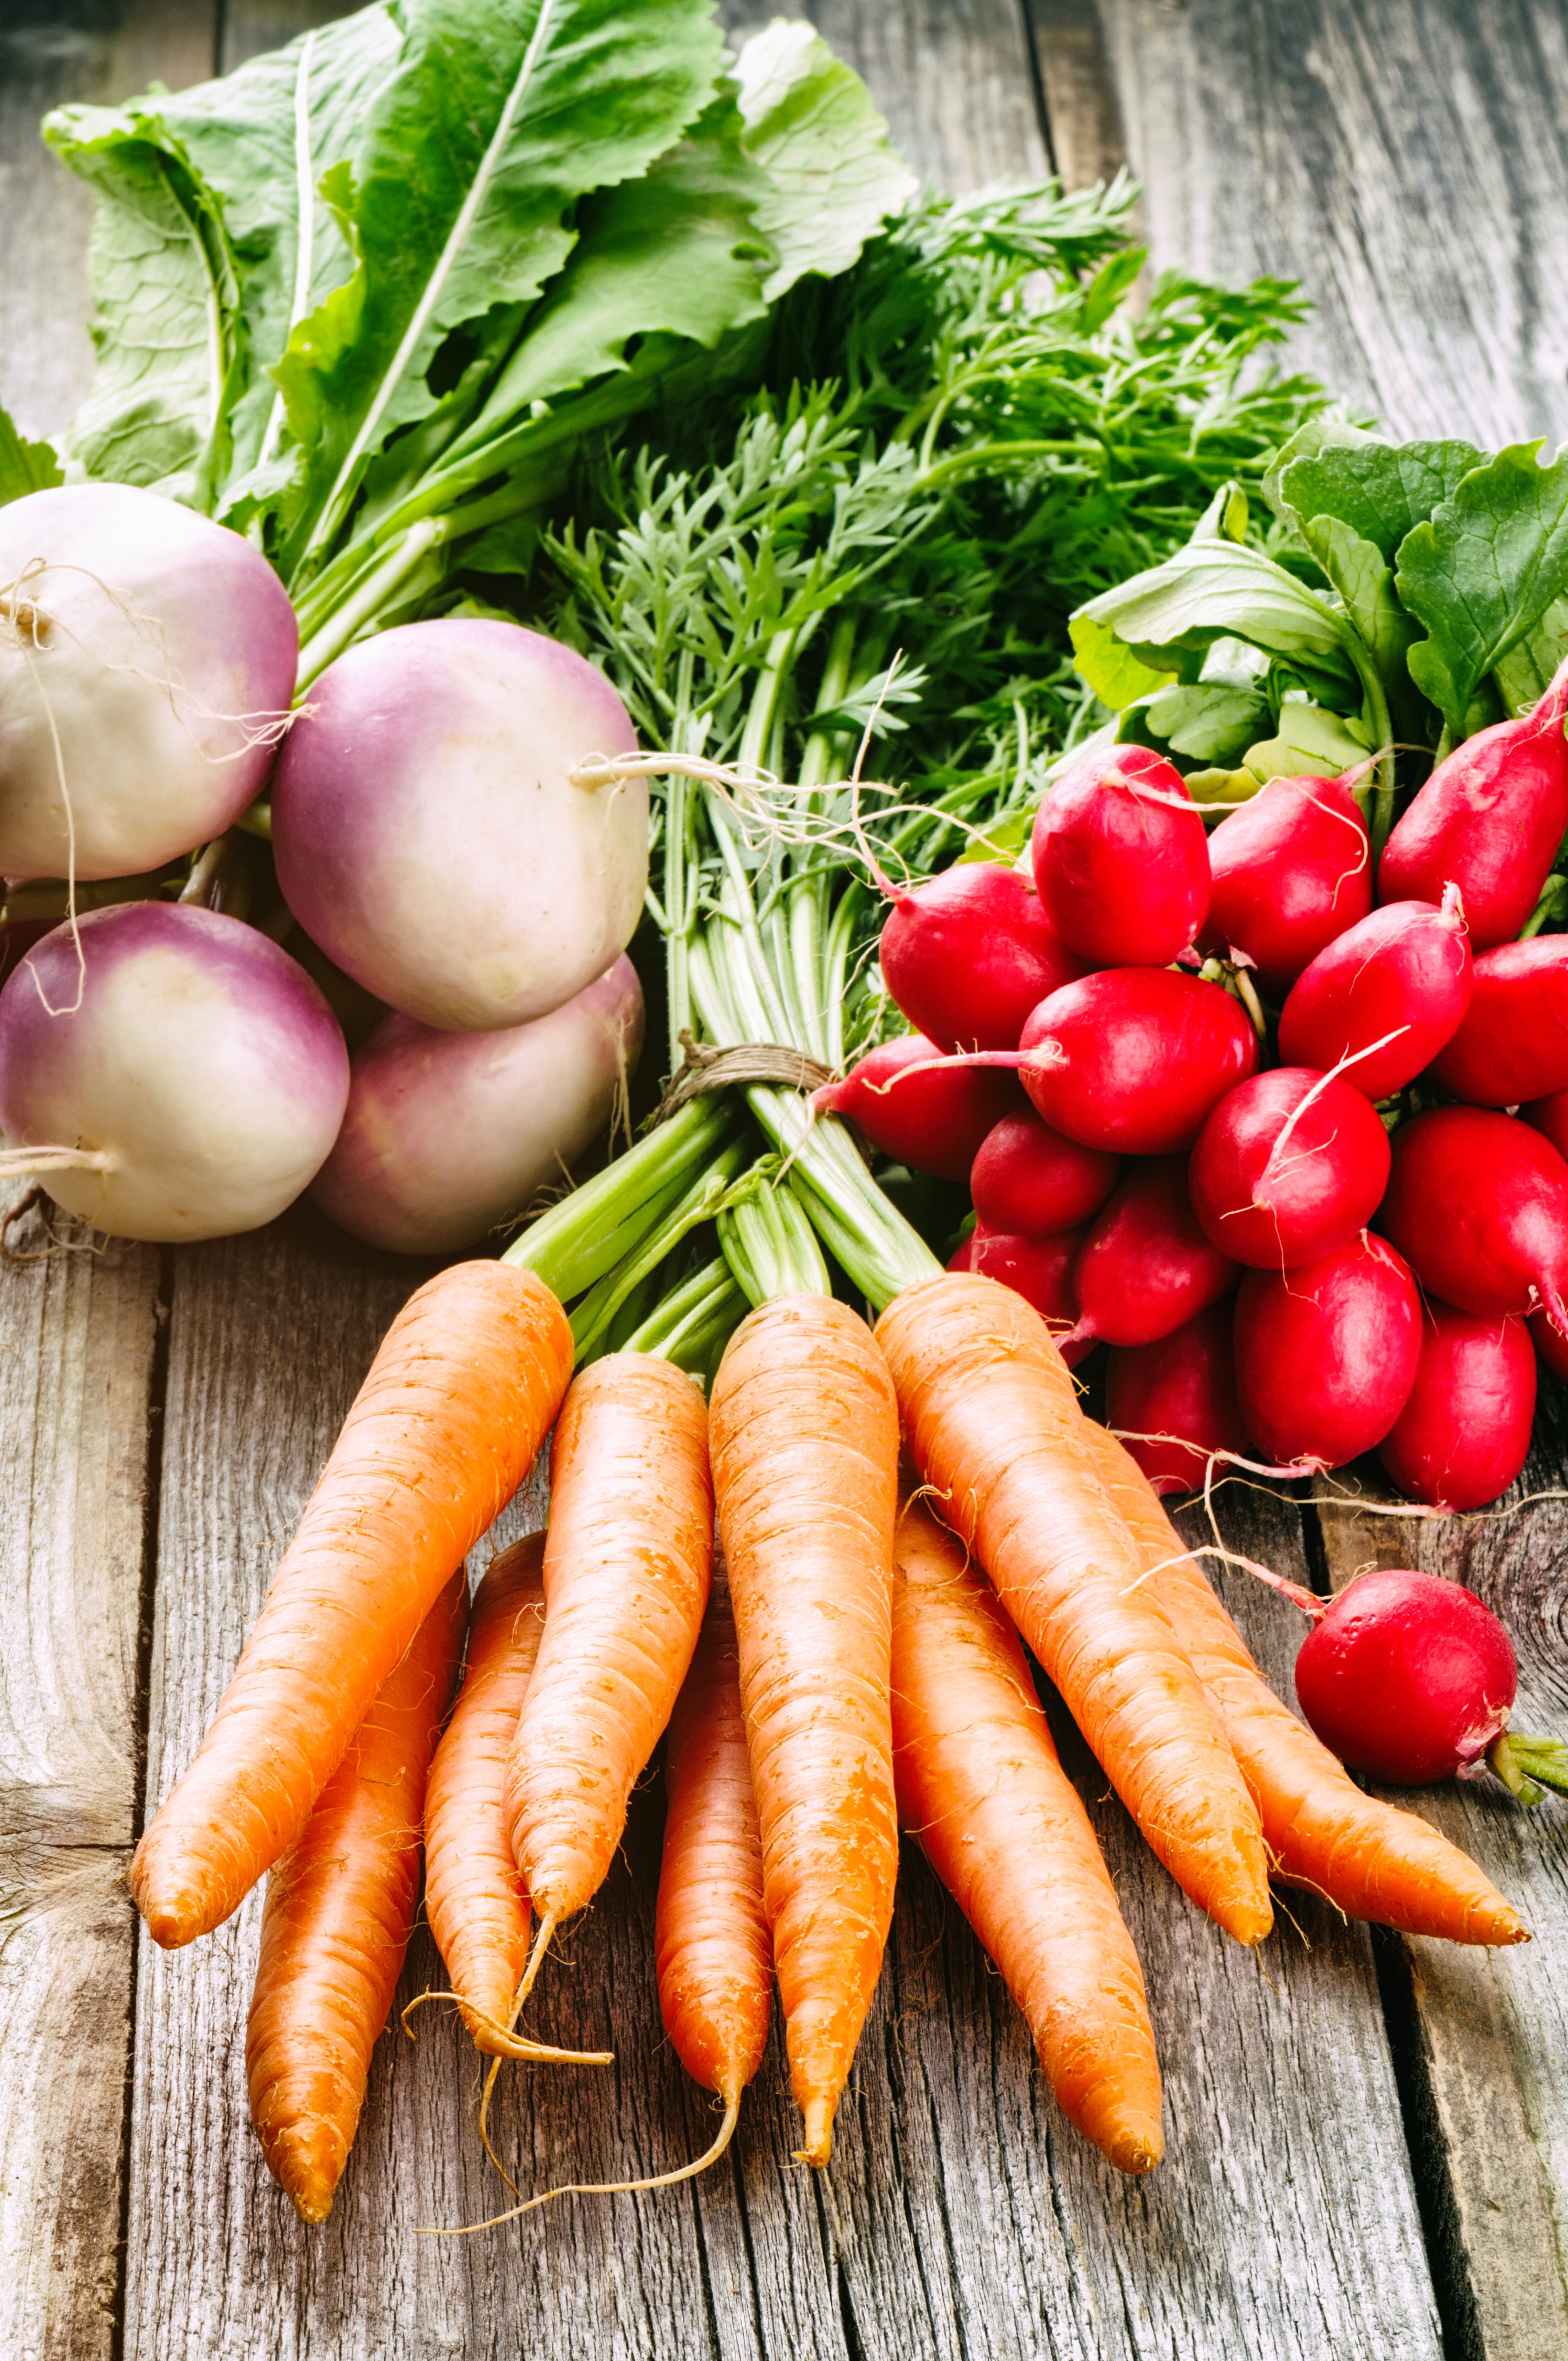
1181 1391
1290 1165
1550 1118
968 954
1121 859
1326 1354
1395 985
934 1120
1405 1676
1292 869
1464 1434
1550 1346
1132 1059
1028 1176
1040 1270
1146 1268
1479 1205
1489 820
962 1257
1513 1043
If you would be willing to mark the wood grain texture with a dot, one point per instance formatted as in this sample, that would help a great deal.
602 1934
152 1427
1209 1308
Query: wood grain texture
1082 117
1405 159
77 1337
1489 2030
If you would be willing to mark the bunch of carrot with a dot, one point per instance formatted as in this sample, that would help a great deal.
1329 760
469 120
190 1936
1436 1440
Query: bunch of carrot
855 1667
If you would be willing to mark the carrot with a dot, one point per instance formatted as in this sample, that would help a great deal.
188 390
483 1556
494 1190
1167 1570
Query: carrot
994 1428
628 1560
337 1922
804 1443
1000 1822
444 1427
1370 1860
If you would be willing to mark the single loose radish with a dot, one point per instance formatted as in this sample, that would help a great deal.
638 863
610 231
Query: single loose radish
1513 1042
1174 1402
1405 1676
429 837
447 1134
968 954
935 1119
178 1078
1464 1434
1121 859
1146 1268
1290 1165
1383 998
1326 1353
1040 1270
147 663
1478 1204
1489 820
1131 1061
1292 870
1027 1177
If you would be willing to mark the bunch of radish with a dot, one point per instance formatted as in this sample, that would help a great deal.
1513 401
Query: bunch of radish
1283 1126
176 1073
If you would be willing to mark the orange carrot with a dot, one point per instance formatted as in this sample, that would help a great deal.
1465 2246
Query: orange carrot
444 1427
804 1441
1370 1860
339 1911
627 1563
994 1428
979 1784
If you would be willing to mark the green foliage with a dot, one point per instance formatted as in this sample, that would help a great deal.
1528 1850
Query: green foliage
24 466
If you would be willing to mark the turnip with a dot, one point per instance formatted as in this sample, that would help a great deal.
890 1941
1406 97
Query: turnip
1383 998
1039 1269
448 1133
934 1119
1290 1165
1174 1402
1326 1353
1489 820
1027 1177
1513 1042
1292 870
147 663
1146 1268
1121 859
1478 1204
968 954
1464 1434
1131 1061
428 834
183 1078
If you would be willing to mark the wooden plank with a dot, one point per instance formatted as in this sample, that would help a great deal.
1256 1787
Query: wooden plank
1488 2031
249 27
1081 113
1407 160
77 1337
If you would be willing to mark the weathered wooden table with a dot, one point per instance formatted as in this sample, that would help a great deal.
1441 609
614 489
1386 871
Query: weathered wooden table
1368 2138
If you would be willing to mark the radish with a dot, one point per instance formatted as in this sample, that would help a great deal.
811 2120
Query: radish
1039 1269
428 834
1550 1346
1174 1402
968 954
147 663
1292 870
1513 1042
935 1119
1550 1118
1146 1268
1405 1676
1464 1434
182 1079
1027 1177
1121 859
448 1134
1131 1061
1489 820
1383 998
1326 1354
1290 1165
1478 1204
